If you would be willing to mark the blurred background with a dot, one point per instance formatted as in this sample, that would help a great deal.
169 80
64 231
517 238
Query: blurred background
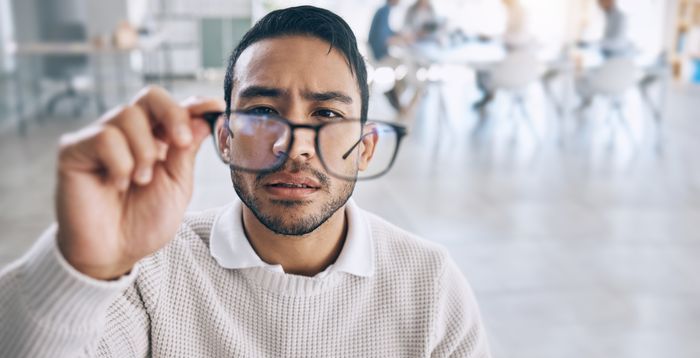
552 144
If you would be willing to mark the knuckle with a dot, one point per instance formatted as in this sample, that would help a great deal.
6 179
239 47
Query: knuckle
72 142
128 112
148 154
150 94
65 147
110 139
111 115
123 166
107 136
152 90
175 114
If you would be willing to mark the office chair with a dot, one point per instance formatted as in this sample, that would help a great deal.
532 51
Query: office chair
69 69
514 75
611 81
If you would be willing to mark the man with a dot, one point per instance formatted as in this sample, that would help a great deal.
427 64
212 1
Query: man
422 21
381 37
614 44
516 38
615 41
296 269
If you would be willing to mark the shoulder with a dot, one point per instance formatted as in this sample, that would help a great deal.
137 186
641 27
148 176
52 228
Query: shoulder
190 245
383 11
192 237
193 234
399 249
198 225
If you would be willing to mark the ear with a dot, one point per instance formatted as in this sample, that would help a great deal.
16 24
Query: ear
368 145
223 136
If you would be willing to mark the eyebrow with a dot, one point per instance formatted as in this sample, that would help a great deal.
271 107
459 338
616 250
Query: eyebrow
261 91
328 96
272 92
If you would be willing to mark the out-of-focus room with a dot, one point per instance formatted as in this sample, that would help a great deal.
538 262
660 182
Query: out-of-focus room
551 143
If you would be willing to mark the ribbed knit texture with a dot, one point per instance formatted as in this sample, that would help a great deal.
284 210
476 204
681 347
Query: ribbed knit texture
180 303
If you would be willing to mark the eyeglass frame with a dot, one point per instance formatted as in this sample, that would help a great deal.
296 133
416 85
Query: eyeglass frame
213 116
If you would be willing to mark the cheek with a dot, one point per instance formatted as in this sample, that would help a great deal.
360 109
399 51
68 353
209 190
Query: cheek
243 181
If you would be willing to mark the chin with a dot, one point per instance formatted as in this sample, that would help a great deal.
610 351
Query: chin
287 203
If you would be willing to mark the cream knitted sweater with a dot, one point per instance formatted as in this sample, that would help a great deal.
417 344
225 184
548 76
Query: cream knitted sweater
180 303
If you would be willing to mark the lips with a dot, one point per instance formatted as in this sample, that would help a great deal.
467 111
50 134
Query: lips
292 185
288 186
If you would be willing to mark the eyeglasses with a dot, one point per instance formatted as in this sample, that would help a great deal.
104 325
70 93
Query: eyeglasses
261 143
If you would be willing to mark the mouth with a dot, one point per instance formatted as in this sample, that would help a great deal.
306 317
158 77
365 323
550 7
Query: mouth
291 187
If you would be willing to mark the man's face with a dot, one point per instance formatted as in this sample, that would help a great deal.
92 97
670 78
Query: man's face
295 77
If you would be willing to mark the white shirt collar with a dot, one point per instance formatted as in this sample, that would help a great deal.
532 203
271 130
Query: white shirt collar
231 249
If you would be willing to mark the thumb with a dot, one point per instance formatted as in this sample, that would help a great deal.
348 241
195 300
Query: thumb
179 162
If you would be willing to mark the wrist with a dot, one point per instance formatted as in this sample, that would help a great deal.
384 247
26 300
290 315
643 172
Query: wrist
104 272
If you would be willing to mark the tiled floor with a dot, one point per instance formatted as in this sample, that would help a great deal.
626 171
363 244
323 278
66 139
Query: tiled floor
574 248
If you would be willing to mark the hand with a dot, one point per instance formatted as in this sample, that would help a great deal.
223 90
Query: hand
124 182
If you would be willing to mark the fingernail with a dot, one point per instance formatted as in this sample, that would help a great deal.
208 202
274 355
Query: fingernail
184 134
143 175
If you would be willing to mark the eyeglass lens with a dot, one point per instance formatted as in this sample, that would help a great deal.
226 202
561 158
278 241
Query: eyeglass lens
260 143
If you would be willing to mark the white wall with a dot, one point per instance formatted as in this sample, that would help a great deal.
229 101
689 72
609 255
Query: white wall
104 15
6 37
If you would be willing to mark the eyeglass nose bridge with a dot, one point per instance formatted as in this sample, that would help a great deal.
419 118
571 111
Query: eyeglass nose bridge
293 140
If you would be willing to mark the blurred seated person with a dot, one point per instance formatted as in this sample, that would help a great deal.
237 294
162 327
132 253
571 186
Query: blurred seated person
381 37
614 43
421 20
615 40
516 37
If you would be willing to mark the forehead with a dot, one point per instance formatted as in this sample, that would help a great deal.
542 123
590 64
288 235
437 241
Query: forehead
299 61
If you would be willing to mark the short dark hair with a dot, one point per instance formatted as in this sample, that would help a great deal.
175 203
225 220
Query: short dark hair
309 21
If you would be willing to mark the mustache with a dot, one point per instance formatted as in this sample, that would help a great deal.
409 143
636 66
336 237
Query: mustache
296 167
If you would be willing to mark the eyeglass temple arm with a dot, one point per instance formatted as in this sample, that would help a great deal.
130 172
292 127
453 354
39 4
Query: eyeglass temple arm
345 156
211 118
400 132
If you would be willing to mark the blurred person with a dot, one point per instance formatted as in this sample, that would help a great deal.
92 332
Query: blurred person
421 20
516 37
381 37
295 268
614 43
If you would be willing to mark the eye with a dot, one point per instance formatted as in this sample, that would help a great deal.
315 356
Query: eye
261 111
327 114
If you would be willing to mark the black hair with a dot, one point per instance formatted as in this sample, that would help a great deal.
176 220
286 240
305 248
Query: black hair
309 21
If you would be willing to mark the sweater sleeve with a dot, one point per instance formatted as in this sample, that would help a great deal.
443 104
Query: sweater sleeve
49 309
458 330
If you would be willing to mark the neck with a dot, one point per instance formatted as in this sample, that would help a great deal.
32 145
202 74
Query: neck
305 255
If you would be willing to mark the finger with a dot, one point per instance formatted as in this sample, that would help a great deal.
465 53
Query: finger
166 113
179 163
108 151
197 106
162 150
133 123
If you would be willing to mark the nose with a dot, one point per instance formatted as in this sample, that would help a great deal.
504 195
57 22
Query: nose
303 144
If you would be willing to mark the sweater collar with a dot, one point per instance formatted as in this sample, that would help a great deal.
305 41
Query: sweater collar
231 249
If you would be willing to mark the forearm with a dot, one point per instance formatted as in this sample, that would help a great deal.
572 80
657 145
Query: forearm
47 308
